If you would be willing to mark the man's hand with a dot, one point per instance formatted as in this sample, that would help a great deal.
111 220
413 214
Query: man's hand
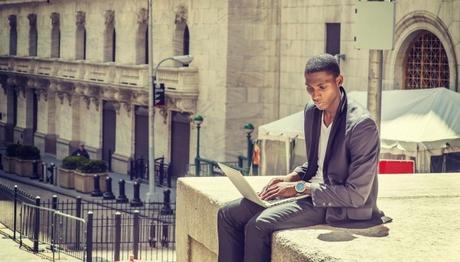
280 189
272 182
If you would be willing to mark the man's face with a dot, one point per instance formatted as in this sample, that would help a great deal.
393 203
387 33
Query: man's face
324 89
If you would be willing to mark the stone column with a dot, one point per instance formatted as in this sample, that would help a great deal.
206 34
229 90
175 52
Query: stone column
124 138
374 94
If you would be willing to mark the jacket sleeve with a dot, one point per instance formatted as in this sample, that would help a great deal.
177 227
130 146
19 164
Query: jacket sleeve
301 170
364 147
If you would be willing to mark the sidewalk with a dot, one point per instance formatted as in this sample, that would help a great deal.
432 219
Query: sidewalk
49 189
11 251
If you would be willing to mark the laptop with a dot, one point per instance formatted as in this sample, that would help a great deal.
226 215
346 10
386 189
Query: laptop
248 192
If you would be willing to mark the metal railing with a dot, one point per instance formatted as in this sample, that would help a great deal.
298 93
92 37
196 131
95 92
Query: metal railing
90 230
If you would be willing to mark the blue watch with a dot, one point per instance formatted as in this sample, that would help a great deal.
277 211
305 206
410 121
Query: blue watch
300 187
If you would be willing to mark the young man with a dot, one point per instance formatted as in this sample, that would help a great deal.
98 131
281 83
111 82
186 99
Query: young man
340 175
81 151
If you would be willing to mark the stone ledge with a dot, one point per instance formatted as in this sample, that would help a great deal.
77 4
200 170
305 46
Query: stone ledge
423 206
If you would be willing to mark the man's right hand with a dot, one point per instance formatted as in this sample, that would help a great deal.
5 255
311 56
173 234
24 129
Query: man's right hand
273 181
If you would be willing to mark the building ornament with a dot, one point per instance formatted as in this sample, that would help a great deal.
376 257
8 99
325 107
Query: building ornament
109 18
80 20
32 20
181 15
55 19
12 20
142 16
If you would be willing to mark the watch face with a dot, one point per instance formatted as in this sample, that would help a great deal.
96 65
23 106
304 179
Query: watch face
300 187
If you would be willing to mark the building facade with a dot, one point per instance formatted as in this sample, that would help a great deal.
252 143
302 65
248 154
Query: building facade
76 71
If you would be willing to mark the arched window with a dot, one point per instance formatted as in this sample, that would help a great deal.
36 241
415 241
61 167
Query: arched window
80 36
182 39
186 45
142 37
110 37
33 35
55 35
13 35
426 64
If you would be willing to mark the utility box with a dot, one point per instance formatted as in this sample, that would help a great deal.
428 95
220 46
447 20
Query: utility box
374 24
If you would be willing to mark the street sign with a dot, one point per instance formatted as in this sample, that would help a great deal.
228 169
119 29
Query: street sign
159 95
374 24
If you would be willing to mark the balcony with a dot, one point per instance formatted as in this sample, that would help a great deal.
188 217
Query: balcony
178 80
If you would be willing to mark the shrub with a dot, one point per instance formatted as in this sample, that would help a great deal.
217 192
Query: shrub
12 150
93 166
26 152
73 162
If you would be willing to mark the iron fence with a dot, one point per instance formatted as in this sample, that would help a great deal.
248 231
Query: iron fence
91 230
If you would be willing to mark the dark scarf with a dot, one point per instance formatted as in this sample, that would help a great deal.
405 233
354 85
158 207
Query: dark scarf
337 125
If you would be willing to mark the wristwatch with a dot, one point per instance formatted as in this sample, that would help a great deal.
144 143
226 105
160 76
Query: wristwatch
300 187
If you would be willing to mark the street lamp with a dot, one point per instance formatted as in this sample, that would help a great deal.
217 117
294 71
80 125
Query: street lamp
249 128
184 60
197 120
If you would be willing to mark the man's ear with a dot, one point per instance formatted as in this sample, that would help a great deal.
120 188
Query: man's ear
339 80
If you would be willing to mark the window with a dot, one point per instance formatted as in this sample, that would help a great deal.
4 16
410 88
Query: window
33 35
426 64
55 35
333 38
142 37
80 36
110 37
13 35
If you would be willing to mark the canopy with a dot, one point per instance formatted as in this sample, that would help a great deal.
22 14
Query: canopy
415 123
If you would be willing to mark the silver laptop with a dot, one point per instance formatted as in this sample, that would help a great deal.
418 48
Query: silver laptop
248 192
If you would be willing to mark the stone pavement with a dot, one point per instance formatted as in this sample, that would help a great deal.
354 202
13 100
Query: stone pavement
45 190
11 251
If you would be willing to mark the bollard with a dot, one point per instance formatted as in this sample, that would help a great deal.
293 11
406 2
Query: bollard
97 187
34 170
1 161
54 177
43 174
108 194
166 209
121 192
136 202
54 202
116 255
36 225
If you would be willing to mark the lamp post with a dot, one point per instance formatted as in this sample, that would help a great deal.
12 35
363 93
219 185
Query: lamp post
249 128
197 120
185 60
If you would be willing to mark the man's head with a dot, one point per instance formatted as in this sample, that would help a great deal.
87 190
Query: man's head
82 146
323 81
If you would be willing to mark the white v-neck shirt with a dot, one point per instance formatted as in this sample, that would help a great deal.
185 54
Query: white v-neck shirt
322 146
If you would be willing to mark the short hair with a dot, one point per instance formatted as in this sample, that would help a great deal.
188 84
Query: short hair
324 62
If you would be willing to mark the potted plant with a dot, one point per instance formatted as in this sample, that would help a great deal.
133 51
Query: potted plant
84 176
66 171
26 156
9 160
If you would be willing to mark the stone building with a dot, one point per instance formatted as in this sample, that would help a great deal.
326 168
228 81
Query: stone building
76 71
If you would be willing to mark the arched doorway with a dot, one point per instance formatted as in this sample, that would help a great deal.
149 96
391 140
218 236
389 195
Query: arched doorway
426 64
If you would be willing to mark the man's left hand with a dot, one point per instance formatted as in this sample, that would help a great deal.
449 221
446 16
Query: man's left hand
281 189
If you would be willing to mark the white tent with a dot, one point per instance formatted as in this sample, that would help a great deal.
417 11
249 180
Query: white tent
416 124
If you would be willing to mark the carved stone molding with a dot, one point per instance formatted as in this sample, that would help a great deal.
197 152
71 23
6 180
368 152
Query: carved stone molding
80 19
140 97
109 18
41 93
128 107
142 16
63 96
97 102
55 19
32 20
181 15
117 106
12 20
122 95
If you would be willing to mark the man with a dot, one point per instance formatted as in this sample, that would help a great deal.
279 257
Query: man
81 151
340 175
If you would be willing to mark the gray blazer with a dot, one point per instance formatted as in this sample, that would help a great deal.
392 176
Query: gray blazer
350 187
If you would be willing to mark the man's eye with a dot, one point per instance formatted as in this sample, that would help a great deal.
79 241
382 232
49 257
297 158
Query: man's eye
322 87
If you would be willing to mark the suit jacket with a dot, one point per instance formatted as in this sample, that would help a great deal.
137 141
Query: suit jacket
349 191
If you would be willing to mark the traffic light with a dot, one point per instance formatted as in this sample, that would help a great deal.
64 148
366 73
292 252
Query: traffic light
159 95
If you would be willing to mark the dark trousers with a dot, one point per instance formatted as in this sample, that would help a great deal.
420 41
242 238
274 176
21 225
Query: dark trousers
245 229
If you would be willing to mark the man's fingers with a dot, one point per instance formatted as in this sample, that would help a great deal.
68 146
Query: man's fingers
269 192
